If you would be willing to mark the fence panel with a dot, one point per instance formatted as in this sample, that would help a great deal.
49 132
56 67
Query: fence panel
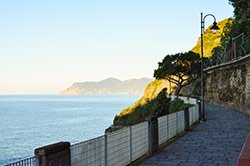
118 147
196 112
162 129
139 136
91 152
193 114
180 121
172 125
33 161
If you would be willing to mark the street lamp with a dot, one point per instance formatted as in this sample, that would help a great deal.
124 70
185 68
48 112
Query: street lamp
214 29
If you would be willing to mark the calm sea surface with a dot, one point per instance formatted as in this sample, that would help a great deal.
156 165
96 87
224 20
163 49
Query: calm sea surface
31 121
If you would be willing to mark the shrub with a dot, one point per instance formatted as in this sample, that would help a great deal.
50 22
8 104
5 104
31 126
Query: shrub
177 105
158 106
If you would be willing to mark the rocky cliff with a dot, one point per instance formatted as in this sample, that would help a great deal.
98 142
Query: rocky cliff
108 86
131 114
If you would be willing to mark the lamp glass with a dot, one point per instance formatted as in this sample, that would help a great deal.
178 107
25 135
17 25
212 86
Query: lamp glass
214 31
214 28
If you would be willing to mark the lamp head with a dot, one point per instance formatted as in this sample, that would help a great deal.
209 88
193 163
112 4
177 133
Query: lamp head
214 28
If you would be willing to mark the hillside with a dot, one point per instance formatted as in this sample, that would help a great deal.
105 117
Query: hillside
211 40
108 86
143 107
154 93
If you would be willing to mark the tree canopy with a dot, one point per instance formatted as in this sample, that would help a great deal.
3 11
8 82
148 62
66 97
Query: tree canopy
181 69
235 38
242 20
242 16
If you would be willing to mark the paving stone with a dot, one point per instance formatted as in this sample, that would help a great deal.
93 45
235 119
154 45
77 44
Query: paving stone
209 164
218 141
190 164
168 163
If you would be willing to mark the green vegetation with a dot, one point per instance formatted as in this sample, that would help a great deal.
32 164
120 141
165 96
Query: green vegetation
181 69
154 101
241 22
150 93
177 105
157 106
236 31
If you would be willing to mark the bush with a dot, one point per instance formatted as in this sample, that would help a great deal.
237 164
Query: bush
158 106
177 105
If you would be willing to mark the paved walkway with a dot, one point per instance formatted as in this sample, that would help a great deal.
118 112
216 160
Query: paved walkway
218 141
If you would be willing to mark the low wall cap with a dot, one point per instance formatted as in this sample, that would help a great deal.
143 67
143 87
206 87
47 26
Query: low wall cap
52 149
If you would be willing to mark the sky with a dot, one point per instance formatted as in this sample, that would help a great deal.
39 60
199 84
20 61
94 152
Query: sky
46 45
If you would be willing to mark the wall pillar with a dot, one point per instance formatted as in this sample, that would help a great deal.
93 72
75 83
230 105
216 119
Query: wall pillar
153 134
57 154
186 119
199 109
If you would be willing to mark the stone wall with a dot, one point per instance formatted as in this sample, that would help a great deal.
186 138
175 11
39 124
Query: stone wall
229 84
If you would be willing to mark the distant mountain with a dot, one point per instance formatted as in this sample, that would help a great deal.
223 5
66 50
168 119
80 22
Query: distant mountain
108 86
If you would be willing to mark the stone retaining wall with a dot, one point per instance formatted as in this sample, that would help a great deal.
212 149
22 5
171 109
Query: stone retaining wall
229 83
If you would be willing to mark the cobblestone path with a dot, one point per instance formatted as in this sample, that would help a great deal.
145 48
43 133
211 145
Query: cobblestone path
218 141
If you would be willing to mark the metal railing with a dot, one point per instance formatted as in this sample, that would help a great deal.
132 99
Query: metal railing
238 50
91 152
33 161
124 146
139 140
163 129
120 147
172 124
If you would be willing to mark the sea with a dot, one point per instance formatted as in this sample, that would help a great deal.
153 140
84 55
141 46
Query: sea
32 121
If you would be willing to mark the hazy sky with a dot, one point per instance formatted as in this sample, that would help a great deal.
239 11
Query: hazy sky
46 45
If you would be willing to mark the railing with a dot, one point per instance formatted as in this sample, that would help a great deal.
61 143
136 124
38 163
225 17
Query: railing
238 50
33 161
170 125
139 141
193 114
117 148
91 152
126 145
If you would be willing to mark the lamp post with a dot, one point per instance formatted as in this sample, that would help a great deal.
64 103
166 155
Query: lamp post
214 29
